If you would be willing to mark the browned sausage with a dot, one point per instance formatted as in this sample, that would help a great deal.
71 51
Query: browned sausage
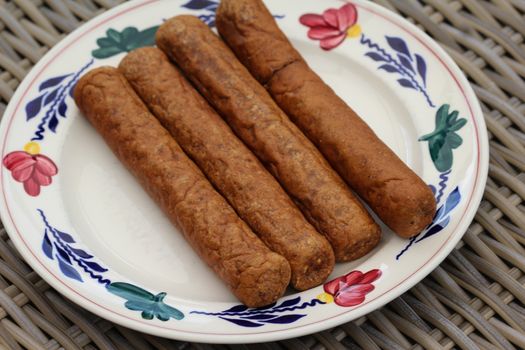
258 121
256 275
229 165
400 198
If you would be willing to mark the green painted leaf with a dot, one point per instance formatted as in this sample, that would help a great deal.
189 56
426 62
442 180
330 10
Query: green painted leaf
452 117
140 305
164 312
444 159
441 117
114 35
144 38
147 315
141 300
454 140
458 125
105 42
426 137
164 317
444 138
128 34
435 145
129 291
159 297
129 39
106 52
156 309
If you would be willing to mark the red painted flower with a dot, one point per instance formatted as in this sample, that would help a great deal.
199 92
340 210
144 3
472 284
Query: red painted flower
32 169
333 26
352 288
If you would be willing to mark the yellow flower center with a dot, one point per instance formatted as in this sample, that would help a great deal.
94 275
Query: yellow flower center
32 148
325 297
354 31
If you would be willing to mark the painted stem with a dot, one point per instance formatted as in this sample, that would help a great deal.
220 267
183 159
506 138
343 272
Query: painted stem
442 185
403 251
304 305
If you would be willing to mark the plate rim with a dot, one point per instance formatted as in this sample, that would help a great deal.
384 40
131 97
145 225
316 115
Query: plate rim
455 236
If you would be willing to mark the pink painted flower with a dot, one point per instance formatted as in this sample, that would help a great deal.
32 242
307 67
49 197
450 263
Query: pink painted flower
33 170
333 26
352 288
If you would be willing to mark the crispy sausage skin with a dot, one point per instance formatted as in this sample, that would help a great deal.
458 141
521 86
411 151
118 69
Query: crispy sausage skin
398 196
256 275
229 165
245 105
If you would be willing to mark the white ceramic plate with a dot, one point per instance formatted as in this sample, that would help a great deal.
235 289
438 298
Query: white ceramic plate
95 236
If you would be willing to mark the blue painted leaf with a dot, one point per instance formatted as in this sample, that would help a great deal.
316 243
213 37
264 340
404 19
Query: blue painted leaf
46 246
406 63
421 68
65 236
265 307
259 317
452 201
199 4
51 97
33 107
433 189
399 45
62 108
72 90
237 308
81 253
434 229
52 82
68 270
211 24
439 214
63 254
94 266
284 319
405 83
290 302
242 323
389 68
375 56
53 123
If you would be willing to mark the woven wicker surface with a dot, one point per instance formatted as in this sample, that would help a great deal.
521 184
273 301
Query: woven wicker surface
474 300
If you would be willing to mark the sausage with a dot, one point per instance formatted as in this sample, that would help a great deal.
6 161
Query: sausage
256 275
245 105
397 195
231 167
